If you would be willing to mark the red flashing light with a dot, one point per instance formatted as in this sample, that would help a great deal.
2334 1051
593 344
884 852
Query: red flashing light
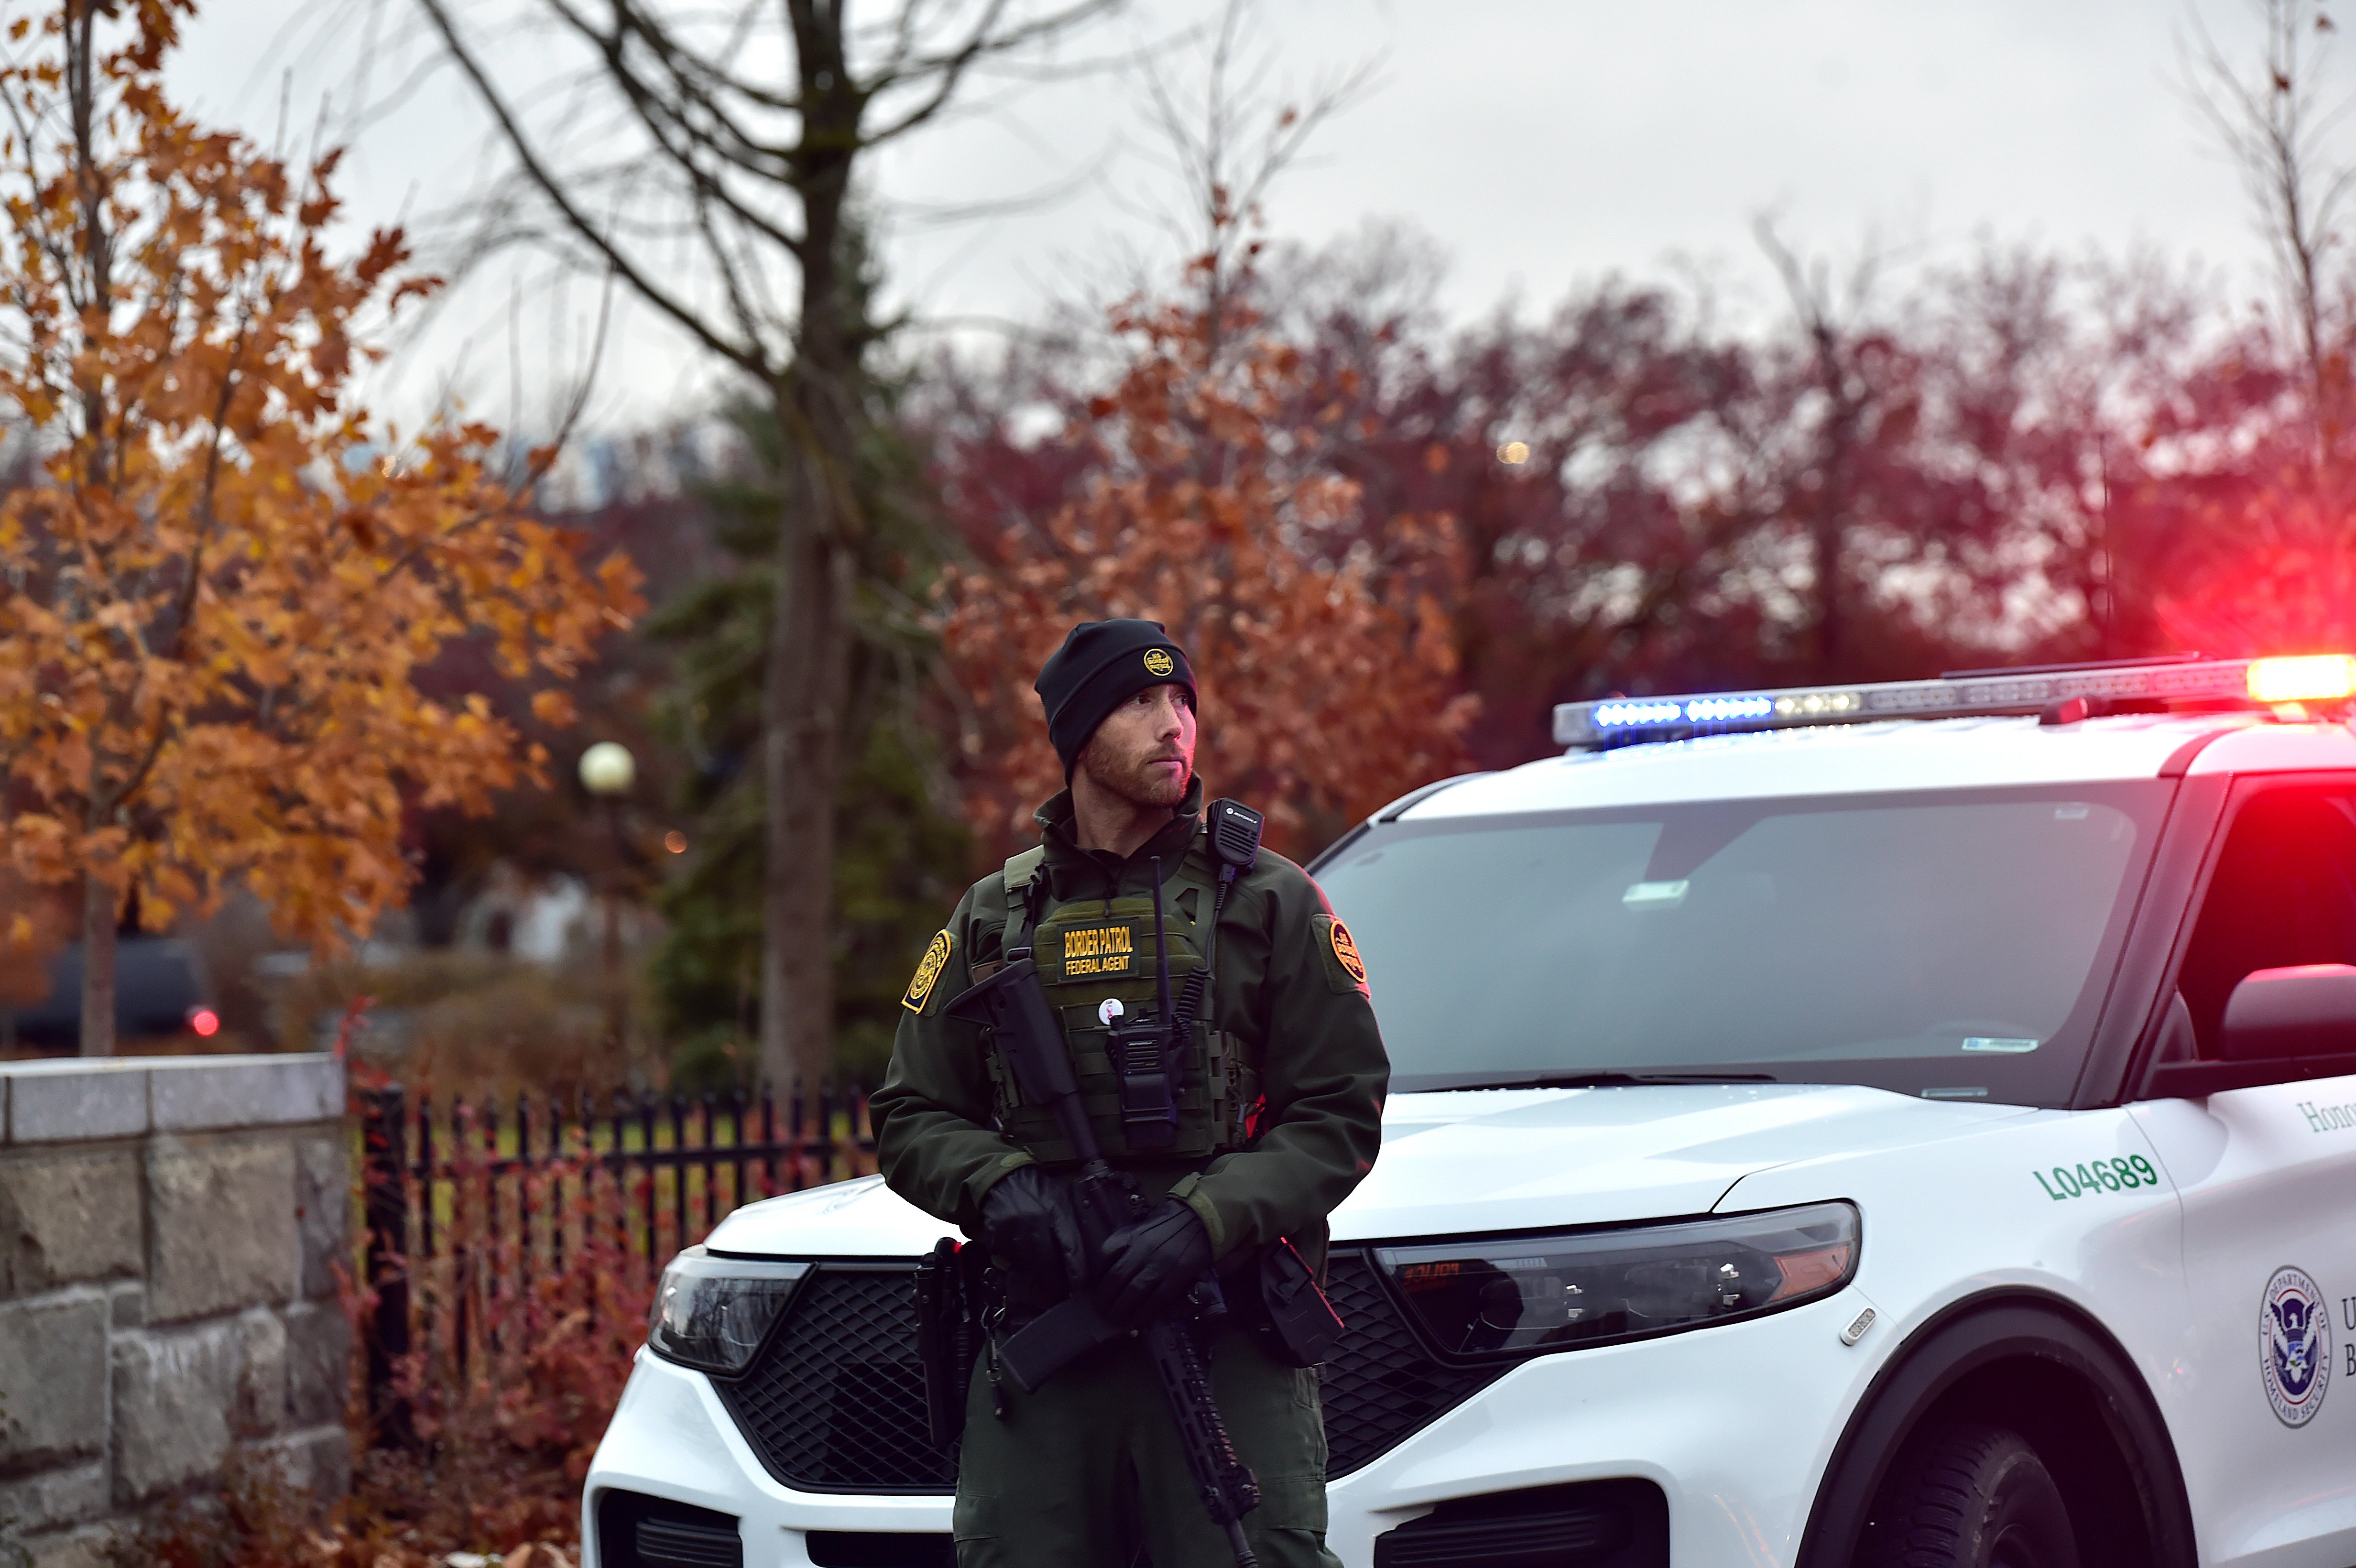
204 1021
2320 678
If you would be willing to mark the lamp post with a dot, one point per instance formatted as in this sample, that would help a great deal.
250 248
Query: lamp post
608 771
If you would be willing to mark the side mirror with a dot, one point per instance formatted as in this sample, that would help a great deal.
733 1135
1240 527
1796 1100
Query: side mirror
2273 1014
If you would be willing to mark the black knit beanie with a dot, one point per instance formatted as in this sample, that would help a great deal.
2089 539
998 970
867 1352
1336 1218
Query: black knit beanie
1102 665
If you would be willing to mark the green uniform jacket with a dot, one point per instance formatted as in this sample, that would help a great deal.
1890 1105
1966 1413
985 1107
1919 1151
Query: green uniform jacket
1282 981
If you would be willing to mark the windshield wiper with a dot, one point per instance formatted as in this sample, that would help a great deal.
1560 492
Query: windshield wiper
1612 1080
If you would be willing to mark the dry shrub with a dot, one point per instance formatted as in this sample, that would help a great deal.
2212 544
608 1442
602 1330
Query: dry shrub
258 1520
524 1344
471 1024
536 1369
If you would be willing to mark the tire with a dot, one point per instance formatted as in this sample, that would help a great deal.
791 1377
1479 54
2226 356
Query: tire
1968 1495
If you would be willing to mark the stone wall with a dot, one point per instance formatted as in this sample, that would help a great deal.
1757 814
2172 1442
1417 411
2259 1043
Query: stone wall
168 1231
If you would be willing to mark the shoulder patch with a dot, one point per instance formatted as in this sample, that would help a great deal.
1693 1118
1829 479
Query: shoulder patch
929 972
1344 969
1345 952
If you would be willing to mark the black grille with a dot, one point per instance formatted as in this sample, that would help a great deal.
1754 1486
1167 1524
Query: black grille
1380 1386
1587 1524
635 1531
836 1402
893 1549
665 1545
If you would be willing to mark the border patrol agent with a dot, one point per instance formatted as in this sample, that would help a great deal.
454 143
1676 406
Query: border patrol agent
1268 1116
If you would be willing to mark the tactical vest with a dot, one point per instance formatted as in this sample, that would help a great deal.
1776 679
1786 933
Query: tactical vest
1092 951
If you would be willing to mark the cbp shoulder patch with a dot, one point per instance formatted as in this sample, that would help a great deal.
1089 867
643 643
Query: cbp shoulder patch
1345 952
929 972
1345 970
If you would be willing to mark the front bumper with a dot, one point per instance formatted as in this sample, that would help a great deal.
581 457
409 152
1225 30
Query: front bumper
1735 1423
671 1437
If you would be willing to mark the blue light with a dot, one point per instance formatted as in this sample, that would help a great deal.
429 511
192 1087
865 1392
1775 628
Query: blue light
1625 715
1719 710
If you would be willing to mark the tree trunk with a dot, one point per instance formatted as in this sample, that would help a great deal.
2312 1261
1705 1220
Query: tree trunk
1832 500
1831 641
819 403
802 723
98 918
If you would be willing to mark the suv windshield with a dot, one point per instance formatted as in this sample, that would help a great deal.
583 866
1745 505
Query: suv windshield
1953 946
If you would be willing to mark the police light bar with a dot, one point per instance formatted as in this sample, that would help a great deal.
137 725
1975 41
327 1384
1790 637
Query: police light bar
2324 678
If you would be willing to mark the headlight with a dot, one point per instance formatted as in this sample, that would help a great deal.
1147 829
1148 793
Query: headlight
1560 1293
713 1313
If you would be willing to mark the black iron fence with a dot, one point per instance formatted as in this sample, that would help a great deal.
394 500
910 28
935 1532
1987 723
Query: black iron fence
471 1208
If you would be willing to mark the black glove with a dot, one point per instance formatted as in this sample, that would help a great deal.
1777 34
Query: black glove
1151 1263
1034 1232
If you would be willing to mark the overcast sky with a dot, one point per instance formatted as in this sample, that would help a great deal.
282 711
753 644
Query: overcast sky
1542 143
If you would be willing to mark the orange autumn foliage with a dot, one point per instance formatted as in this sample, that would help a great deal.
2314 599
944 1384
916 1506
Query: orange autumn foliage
221 574
1326 669
34 924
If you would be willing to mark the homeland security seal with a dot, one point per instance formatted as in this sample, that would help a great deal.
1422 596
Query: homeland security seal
2294 1346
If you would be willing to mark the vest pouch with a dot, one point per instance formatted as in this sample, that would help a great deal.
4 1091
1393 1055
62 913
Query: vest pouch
1294 1321
1147 1074
1200 1133
1235 1085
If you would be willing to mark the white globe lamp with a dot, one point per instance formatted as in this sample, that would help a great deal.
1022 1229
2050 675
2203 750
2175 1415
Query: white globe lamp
608 769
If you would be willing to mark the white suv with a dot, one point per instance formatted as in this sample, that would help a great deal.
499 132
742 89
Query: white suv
1890 1124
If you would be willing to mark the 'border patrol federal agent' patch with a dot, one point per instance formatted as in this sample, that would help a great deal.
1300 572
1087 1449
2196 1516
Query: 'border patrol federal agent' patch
929 972
1159 661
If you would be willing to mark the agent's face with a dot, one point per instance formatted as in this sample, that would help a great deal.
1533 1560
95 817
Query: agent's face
1144 751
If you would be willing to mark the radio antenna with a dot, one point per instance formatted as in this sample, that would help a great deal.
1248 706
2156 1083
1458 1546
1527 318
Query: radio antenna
1160 950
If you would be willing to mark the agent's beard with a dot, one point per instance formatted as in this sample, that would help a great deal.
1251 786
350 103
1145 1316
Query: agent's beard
1134 777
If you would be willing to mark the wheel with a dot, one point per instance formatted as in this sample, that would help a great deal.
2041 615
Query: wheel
1970 1495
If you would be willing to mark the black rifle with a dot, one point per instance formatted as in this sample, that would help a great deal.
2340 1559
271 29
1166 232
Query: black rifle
1073 1328
1011 1004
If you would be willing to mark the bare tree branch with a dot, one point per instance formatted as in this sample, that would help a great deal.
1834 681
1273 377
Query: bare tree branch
748 356
750 182
2273 123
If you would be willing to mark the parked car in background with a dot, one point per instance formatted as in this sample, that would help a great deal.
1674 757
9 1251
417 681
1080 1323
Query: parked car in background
160 988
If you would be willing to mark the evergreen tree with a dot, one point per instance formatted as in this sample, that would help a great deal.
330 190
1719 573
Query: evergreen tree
901 849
